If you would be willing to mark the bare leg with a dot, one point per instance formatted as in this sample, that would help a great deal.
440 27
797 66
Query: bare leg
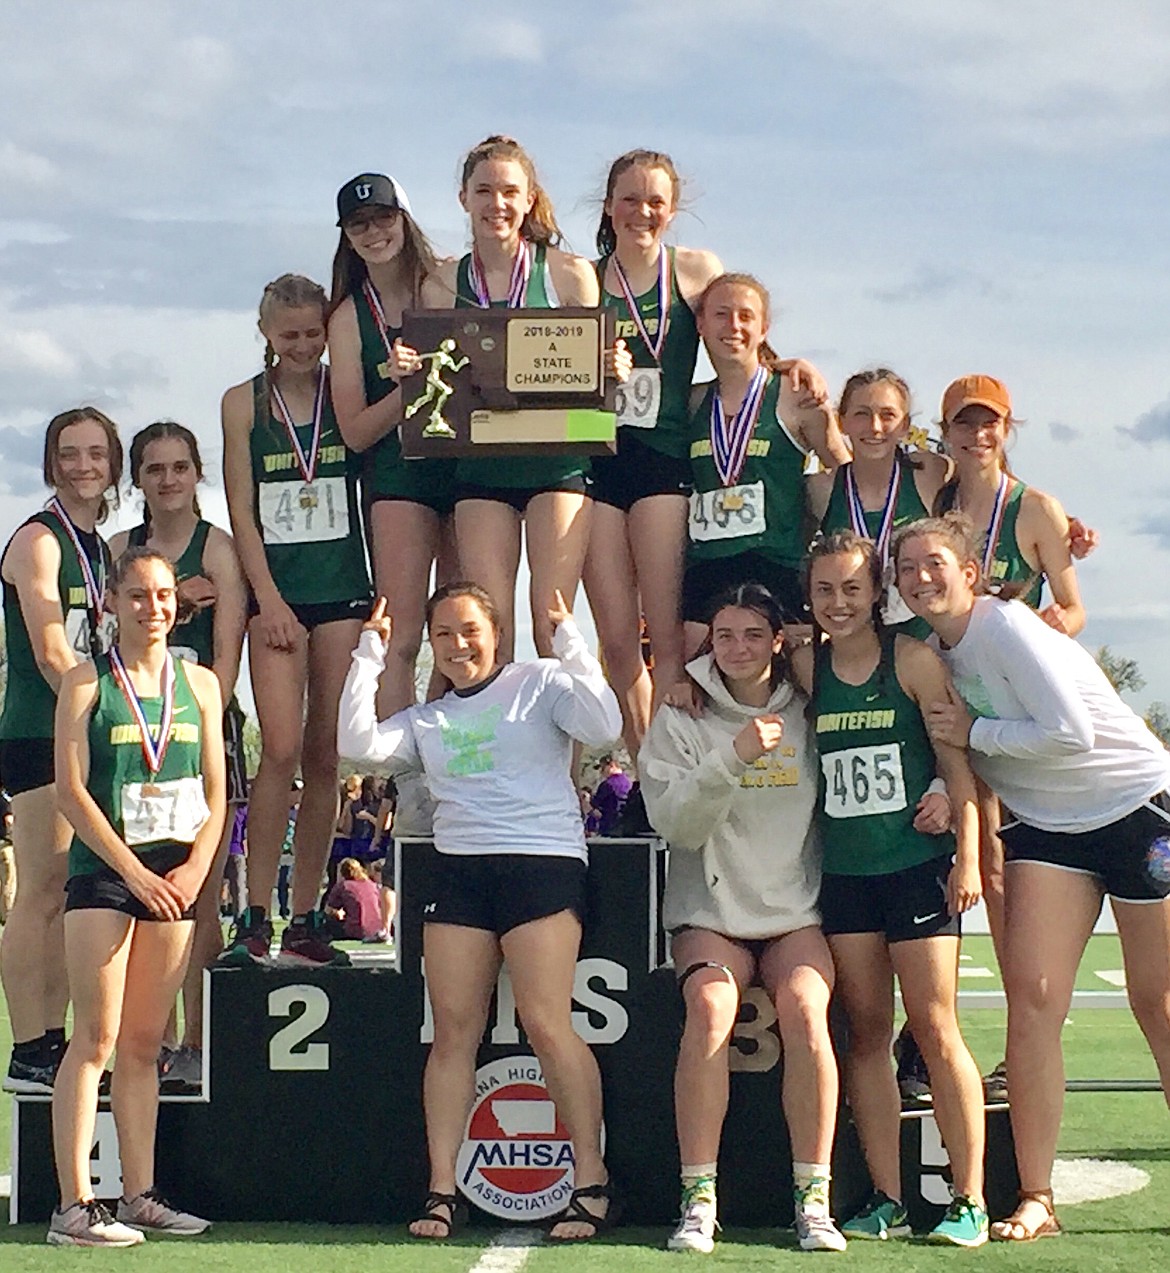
488 535
97 945
612 590
542 960
928 971
865 982
32 950
712 999
278 686
461 967
207 943
330 647
405 540
1050 914
658 538
797 972
1145 942
158 955
991 865
557 534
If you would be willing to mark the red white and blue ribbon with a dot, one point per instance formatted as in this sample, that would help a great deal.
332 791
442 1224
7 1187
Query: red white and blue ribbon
517 284
995 524
153 748
857 510
729 441
655 346
95 584
306 462
374 301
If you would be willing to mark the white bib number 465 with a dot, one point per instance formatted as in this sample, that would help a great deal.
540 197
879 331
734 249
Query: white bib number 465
863 781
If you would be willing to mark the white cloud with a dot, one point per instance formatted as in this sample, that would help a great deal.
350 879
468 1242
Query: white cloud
20 167
500 40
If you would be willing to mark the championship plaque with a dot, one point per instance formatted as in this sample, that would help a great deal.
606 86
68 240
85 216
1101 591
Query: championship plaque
508 382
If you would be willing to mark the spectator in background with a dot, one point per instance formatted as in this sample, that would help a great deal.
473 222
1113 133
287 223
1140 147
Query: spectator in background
589 815
7 859
610 797
353 908
347 792
285 865
235 872
360 820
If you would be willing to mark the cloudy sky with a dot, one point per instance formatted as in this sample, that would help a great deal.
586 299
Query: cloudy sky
944 186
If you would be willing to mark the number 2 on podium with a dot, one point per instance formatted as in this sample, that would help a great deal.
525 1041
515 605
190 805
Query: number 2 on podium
284 1048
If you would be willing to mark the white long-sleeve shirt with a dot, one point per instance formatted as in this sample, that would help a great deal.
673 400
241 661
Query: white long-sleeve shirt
1051 736
496 758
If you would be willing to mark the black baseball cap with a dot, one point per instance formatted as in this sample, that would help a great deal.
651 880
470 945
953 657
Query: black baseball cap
370 190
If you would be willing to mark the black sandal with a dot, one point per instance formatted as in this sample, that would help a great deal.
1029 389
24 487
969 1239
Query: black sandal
575 1213
430 1211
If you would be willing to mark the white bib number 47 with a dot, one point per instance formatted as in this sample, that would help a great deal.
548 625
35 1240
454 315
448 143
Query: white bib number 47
863 781
304 512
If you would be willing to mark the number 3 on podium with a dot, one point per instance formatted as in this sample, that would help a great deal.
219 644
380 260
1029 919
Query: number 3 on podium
285 1050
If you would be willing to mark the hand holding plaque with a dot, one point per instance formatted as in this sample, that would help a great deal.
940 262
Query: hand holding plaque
509 382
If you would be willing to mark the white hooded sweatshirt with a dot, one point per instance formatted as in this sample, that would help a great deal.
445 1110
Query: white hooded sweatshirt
745 860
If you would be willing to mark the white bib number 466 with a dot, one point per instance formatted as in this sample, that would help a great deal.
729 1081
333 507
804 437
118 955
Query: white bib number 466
863 781
731 512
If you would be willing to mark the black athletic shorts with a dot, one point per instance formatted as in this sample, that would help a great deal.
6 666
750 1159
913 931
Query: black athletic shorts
705 580
903 905
636 472
518 497
106 890
501 891
1130 857
25 763
313 614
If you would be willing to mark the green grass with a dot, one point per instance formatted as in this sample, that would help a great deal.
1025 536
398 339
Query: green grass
1127 1233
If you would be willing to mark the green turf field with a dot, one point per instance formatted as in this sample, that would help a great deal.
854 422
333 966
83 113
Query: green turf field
1124 1233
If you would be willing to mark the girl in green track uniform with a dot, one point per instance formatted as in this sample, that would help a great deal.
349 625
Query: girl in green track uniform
166 465
750 436
883 486
382 261
638 535
890 897
54 571
514 261
139 754
292 494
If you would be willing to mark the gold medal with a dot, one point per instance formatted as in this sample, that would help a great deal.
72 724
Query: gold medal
732 501
308 497
384 371
151 790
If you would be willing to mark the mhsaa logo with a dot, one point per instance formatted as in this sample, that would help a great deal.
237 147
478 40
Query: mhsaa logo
516 1160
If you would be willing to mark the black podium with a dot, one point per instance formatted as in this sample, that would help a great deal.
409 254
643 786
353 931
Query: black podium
311 1107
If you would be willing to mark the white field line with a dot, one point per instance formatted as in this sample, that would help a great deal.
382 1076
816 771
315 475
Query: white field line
508 1253
976 972
1113 976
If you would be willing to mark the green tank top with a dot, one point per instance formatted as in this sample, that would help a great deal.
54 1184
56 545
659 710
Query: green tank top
665 430
118 769
764 510
908 507
876 764
1007 562
312 533
518 471
196 634
29 701
386 472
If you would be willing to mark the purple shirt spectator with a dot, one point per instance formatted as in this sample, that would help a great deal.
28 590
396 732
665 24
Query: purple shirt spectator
610 798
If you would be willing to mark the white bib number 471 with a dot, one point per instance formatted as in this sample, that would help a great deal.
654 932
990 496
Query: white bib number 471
304 512
732 512
863 781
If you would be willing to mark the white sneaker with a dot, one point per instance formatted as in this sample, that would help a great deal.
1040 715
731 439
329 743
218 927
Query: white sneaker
696 1229
816 1230
89 1224
152 1212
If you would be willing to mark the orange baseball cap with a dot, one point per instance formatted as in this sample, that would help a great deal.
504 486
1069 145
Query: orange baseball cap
982 391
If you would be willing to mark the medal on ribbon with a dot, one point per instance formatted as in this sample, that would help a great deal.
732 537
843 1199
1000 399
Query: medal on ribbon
994 525
154 749
857 510
95 583
517 284
306 460
374 302
655 346
729 440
